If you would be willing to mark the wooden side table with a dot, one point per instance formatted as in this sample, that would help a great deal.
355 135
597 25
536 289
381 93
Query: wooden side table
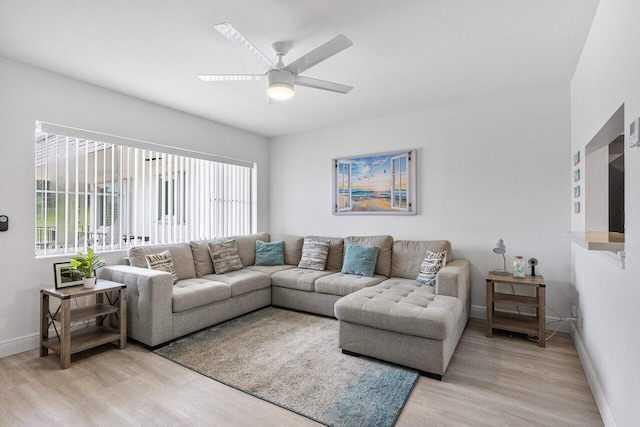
65 343
527 324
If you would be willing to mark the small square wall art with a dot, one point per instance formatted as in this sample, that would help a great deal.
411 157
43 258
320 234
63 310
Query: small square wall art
576 191
576 207
576 158
576 175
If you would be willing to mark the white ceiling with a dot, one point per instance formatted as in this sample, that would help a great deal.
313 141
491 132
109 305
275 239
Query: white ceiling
407 55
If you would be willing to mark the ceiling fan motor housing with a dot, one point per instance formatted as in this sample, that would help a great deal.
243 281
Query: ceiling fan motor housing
284 77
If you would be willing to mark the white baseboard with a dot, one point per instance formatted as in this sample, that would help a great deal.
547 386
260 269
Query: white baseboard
596 389
18 345
480 312
31 341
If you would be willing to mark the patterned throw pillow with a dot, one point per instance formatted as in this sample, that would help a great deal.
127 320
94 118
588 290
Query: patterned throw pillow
162 262
224 255
314 254
432 263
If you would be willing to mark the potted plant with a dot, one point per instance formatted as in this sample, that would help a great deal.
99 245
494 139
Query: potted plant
86 265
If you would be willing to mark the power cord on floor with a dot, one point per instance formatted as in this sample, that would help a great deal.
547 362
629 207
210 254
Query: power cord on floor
558 321
513 292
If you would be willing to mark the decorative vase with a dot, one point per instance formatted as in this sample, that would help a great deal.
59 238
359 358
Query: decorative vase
518 267
89 282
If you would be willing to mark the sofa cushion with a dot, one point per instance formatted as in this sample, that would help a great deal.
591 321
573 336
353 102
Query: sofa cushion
192 293
301 279
314 254
336 251
202 258
180 255
384 244
269 253
292 247
242 281
360 260
269 269
162 262
344 284
431 264
247 247
409 284
407 255
224 255
404 307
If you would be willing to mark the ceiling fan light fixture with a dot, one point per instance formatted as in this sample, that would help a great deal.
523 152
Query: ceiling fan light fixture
280 91
280 84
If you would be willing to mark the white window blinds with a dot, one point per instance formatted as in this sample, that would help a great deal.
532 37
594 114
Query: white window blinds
111 196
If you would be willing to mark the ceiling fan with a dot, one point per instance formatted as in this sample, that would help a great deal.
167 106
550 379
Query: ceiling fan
280 79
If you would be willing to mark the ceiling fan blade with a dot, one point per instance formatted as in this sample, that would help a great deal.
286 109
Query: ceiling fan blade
229 77
322 84
234 36
319 54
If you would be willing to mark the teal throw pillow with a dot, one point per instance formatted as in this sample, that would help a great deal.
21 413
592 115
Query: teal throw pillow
269 253
360 260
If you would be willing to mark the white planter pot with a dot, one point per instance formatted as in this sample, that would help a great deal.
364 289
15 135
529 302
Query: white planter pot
88 282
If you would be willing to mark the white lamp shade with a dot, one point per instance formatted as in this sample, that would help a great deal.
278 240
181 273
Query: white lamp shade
500 248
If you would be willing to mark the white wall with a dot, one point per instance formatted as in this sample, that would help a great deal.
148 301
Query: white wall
486 170
608 296
28 94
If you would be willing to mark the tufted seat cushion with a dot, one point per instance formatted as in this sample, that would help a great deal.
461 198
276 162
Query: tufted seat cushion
301 279
403 306
192 293
345 284
242 281
269 270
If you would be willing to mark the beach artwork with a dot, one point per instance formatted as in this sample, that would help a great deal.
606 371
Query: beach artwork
375 184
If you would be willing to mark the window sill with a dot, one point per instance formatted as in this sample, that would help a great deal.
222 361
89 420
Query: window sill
598 240
608 246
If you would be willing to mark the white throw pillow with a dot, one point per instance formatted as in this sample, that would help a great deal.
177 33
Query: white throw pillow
432 263
314 254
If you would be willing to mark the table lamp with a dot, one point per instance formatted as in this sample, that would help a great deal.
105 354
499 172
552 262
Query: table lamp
500 249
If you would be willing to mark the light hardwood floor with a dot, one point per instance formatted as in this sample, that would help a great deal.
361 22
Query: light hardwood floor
505 381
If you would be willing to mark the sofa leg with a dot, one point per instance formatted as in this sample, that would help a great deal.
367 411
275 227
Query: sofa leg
350 353
430 375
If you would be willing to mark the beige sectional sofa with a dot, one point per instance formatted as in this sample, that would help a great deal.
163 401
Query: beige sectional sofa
426 322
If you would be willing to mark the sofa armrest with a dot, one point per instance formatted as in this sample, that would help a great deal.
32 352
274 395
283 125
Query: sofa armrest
149 302
453 280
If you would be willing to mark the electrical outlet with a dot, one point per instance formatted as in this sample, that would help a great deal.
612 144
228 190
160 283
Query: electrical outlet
580 319
574 311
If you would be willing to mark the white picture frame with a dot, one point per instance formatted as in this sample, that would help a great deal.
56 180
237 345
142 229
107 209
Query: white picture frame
375 184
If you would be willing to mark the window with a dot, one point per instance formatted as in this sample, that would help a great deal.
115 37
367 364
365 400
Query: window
170 204
604 178
112 196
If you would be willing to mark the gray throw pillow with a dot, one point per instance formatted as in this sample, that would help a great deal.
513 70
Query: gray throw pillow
224 255
314 254
432 263
162 262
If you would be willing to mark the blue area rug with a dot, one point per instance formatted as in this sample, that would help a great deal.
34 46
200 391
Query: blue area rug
292 359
